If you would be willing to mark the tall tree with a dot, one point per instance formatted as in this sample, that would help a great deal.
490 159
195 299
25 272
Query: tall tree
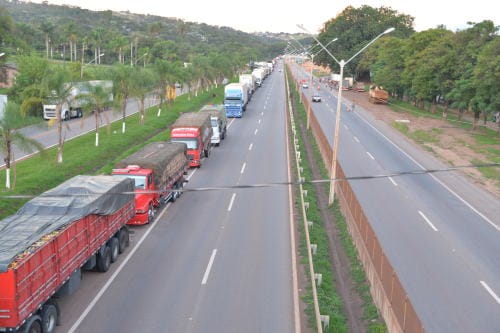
47 29
355 27
61 94
144 82
10 136
96 99
123 80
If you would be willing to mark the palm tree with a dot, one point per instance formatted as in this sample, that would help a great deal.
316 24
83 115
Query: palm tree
122 85
10 135
48 29
61 90
143 83
95 97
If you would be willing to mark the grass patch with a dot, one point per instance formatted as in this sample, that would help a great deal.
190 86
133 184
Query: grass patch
330 302
38 174
402 127
488 172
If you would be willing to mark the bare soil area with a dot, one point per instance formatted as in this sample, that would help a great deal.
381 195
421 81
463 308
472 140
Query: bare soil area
452 144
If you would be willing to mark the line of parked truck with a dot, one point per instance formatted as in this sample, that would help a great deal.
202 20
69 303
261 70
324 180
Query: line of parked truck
237 95
82 224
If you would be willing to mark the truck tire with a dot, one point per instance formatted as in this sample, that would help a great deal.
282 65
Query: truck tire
123 240
33 325
151 213
104 260
114 246
50 317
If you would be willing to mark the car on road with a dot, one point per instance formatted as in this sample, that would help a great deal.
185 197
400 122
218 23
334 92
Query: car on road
316 97
305 85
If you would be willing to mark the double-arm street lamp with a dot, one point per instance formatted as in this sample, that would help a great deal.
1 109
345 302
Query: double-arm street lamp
342 63
311 79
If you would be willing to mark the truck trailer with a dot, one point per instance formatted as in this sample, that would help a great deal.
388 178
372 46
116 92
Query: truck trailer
72 108
195 130
235 99
78 225
219 122
158 172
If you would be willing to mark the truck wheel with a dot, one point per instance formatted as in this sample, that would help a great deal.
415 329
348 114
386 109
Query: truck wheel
104 260
33 325
114 245
151 213
50 316
123 240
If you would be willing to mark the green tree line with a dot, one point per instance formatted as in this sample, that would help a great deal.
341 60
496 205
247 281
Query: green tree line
458 69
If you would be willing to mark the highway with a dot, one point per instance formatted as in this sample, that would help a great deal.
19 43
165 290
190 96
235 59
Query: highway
215 260
440 233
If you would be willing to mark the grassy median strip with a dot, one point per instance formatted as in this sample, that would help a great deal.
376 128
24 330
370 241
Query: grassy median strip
330 302
41 173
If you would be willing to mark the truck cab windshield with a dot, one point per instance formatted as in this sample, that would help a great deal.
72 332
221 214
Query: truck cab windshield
190 143
140 181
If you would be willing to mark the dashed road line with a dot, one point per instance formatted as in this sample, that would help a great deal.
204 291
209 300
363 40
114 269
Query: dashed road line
243 167
490 291
250 147
393 182
428 221
209 267
371 156
256 130
231 202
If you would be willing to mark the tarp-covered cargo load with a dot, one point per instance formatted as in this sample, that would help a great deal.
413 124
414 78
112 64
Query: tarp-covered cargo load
74 199
166 159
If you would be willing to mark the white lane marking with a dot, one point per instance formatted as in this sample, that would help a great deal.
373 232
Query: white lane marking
392 181
345 126
484 217
115 274
250 147
231 122
490 291
231 202
209 267
259 121
262 113
427 220
243 167
255 131
371 156
356 139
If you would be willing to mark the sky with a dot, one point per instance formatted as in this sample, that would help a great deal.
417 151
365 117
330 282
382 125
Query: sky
283 16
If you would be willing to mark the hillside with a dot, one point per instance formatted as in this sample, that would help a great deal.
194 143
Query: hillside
65 22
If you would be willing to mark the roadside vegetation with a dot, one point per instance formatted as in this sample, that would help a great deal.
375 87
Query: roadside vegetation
431 68
41 173
330 302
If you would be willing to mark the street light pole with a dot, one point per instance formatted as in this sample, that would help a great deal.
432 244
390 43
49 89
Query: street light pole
311 82
81 69
342 63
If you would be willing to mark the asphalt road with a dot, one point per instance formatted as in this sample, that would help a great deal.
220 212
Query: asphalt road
440 233
48 137
214 261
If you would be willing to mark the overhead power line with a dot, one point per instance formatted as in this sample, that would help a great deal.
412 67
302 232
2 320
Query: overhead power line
274 184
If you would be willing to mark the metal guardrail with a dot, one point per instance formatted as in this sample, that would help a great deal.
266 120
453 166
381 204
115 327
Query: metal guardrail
311 248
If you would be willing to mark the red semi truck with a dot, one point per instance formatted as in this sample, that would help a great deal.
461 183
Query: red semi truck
195 130
81 224
158 172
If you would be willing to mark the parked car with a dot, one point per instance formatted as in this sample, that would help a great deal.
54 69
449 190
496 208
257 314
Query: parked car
316 97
